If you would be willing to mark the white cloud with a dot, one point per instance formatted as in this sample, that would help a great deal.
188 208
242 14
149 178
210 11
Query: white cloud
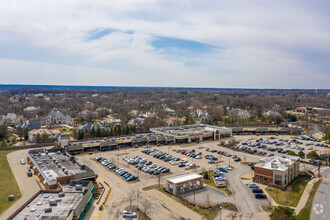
269 42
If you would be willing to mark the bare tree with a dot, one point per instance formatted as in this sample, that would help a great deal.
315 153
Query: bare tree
146 206
131 197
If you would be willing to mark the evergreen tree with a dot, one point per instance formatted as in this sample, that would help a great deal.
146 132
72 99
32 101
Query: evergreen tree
98 132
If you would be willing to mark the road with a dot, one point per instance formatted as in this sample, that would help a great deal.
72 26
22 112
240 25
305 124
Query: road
27 185
321 206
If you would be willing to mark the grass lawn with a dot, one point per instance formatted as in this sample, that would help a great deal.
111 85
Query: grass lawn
211 182
290 196
306 211
267 208
8 185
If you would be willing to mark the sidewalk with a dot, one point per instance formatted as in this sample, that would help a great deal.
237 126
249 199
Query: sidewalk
305 195
226 214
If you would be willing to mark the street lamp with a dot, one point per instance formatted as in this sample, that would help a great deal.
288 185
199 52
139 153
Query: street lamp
220 212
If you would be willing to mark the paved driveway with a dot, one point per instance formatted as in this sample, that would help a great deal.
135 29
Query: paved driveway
27 185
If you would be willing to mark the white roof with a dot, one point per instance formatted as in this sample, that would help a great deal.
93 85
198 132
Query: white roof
184 178
276 163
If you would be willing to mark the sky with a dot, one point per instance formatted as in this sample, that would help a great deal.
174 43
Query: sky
165 43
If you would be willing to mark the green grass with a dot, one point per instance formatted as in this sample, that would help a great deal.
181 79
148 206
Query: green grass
306 211
8 185
267 208
290 196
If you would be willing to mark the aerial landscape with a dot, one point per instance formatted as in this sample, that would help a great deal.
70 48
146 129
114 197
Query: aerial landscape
195 110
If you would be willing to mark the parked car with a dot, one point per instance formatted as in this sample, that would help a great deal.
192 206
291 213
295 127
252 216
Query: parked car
257 190
129 214
253 185
237 159
260 196
223 170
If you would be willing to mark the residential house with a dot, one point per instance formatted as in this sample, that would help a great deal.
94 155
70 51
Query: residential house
52 133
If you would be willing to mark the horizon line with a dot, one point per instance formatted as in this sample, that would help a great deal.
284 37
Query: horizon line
32 86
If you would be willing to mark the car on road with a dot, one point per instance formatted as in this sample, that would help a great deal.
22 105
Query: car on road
129 214
22 161
237 159
250 164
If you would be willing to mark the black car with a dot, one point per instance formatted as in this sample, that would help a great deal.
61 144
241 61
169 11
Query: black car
256 190
260 196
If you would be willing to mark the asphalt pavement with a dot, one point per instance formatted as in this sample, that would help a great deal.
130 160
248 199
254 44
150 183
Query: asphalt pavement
321 206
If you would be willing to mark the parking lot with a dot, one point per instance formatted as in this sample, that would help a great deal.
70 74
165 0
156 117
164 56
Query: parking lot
177 160
118 199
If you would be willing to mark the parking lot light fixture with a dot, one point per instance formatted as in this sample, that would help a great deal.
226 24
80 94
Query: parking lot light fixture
220 212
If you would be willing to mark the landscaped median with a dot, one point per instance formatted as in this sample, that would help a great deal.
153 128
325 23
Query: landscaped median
8 184
291 195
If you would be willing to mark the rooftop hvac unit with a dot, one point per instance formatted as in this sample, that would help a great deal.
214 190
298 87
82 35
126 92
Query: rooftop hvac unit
66 172
47 210
52 202
78 187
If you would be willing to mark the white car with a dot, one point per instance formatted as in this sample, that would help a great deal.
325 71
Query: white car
174 163
228 168
129 214
22 161
310 148
191 164
184 160
153 165
199 157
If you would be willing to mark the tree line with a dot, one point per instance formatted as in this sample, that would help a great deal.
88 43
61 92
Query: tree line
116 130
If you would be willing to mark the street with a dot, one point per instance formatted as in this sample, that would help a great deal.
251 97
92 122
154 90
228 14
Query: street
321 206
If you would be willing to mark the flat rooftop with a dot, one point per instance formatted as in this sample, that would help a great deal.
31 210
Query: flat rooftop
36 208
276 163
55 164
189 130
184 178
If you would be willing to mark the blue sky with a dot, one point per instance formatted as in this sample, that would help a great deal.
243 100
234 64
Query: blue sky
243 43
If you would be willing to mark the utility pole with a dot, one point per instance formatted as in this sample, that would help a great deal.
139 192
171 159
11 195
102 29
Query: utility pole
138 199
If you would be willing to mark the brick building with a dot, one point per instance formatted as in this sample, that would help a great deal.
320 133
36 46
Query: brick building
276 171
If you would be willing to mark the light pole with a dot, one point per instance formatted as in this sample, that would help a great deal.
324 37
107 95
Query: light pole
138 199
220 212
118 157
